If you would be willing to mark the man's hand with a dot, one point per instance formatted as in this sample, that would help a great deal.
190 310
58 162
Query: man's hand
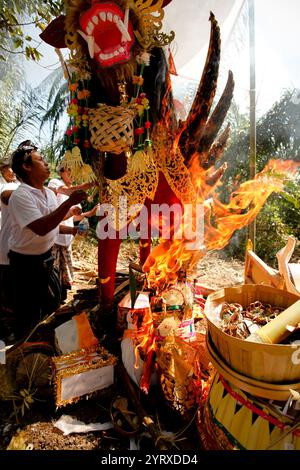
87 186
77 196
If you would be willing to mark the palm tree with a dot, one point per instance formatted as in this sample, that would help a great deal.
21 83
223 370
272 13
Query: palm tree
54 110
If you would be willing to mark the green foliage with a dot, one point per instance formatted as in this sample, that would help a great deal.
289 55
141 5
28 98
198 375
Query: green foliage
19 117
271 231
278 136
17 14
54 110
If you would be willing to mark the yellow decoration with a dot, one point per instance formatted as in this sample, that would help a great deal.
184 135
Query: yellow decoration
240 421
137 162
137 186
150 15
80 172
104 280
86 174
74 161
77 363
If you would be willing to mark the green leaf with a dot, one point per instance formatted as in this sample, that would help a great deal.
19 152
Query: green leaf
18 42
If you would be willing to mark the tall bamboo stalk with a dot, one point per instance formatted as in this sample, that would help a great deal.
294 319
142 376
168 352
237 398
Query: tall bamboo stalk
252 159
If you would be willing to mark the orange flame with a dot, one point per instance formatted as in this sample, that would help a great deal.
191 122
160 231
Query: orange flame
220 220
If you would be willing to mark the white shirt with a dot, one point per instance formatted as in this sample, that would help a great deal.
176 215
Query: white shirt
26 205
3 182
5 224
62 239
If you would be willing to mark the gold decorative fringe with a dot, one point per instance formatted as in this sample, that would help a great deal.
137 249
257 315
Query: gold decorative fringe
80 172
75 363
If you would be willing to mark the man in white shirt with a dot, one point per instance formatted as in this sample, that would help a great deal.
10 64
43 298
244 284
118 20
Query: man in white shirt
62 249
35 220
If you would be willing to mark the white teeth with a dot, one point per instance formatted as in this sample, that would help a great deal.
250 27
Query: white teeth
106 56
109 16
82 34
126 18
90 28
123 30
116 53
95 19
115 18
121 49
102 16
91 46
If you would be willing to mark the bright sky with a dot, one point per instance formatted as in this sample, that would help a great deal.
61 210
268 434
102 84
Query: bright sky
277 46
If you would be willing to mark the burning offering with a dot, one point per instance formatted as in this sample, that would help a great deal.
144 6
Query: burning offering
267 361
235 320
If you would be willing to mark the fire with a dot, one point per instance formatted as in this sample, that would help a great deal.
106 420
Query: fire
177 253
220 220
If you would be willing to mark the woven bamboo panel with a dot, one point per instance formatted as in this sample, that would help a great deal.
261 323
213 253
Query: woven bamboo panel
112 128
233 420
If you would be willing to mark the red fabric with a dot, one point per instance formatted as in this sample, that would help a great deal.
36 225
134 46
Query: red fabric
147 372
172 66
107 262
109 249
54 34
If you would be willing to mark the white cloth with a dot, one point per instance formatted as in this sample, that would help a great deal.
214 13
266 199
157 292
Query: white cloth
3 182
26 205
5 224
62 239
69 424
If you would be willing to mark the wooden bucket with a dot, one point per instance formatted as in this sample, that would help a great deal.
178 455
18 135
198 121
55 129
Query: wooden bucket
257 388
272 363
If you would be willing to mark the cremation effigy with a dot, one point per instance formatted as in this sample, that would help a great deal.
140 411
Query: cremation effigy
125 134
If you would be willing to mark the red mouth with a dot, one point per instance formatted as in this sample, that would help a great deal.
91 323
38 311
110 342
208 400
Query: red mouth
108 34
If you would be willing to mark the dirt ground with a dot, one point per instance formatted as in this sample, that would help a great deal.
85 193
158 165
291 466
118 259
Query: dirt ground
36 431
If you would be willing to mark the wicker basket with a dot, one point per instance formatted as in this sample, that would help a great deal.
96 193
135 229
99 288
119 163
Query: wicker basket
257 388
112 128
272 363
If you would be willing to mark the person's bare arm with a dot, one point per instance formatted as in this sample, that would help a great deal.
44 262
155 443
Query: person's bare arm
65 230
89 213
67 191
5 195
45 224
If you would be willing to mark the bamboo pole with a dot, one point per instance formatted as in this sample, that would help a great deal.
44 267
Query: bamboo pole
251 14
